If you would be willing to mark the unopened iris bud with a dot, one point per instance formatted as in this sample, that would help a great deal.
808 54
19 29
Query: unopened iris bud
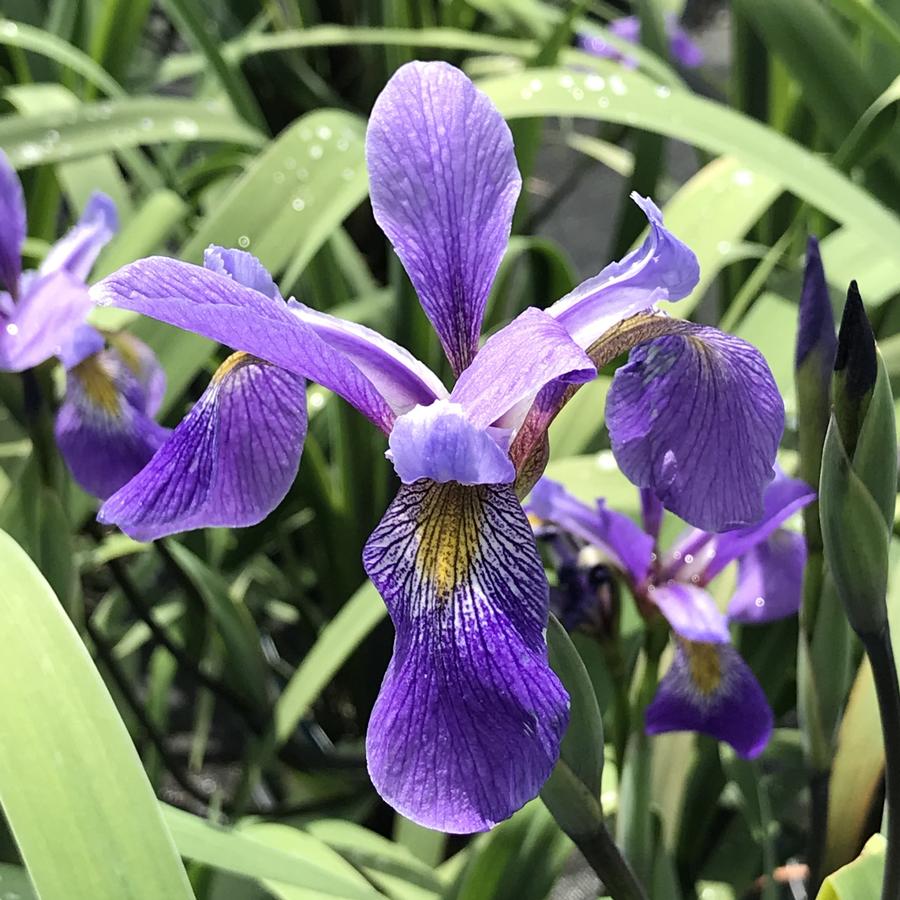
859 472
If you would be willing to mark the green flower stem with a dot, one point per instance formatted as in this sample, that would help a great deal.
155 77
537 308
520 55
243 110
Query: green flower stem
881 656
605 858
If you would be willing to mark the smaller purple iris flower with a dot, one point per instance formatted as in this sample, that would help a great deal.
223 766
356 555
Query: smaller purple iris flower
469 719
681 46
104 427
708 687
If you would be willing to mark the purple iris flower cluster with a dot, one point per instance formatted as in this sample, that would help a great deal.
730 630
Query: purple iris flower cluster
469 719
682 47
708 686
114 384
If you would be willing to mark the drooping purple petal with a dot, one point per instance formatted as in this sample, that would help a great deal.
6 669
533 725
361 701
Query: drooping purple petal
104 437
218 307
444 183
710 689
662 268
691 611
770 579
616 535
79 248
439 442
816 330
468 722
514 364
697 418
783 497
44 320
229 462
14 227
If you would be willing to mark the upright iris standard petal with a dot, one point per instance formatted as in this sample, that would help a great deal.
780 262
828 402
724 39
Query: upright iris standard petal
103 430
438 442
42 322
616 535
710 689
218 307
229 462
770 579
697 417
662 268
13 228
783 497
150 376
467 726
79 248
691 611
514 364
444 183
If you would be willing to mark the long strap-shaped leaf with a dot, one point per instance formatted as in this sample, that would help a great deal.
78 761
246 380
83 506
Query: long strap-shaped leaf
71 783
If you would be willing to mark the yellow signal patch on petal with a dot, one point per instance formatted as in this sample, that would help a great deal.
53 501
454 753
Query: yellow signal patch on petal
230 364
449 524
98 384
705 665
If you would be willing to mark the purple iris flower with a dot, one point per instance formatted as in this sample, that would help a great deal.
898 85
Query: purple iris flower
681 46
468 722
708 687
104 427
41 309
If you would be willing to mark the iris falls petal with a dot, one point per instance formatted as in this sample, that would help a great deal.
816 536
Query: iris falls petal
696 417
103 428
229 462
444 183
467 725
78 249
710 689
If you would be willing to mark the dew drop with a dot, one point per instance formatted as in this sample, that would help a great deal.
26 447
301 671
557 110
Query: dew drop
324 133
290 163
695 579
31 152
760 601
536 84
243 241
52 136
578 93
298 204
348 174
302 174
316 400
663 92
315 151
146 123
567 81
603 102
10 29
278 177
526 93
12 329
688 558
595 83
342 144
724 247
743 178
676 555
186 128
